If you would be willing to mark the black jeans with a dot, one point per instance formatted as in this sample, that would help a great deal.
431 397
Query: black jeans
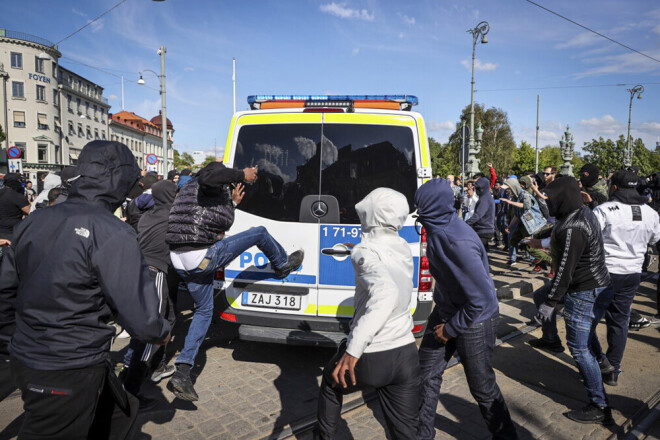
475 347
617 316
395 376
70 404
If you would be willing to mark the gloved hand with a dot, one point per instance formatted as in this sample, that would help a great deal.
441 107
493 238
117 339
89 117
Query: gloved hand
545 313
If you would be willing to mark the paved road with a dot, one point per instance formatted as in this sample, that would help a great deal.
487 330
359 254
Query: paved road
255 390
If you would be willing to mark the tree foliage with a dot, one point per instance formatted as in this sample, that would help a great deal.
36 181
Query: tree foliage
524 159
182 160
608 155
3 136
208 160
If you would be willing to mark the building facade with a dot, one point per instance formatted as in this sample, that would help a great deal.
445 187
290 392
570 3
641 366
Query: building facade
143 137
48 112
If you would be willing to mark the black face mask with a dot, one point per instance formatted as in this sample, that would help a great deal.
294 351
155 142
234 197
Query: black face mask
564 197
15 185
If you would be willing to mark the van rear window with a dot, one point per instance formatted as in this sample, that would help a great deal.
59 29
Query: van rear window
354 160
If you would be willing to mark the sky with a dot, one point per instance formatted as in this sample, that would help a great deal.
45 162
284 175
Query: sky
418 47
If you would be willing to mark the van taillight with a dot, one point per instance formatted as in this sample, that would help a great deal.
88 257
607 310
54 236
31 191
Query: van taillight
220 274
425 281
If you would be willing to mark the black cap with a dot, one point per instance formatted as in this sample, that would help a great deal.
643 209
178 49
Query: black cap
625 179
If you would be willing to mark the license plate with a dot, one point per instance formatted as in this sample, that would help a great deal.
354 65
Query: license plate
271 300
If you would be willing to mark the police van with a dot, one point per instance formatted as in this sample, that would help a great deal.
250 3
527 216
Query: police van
317 156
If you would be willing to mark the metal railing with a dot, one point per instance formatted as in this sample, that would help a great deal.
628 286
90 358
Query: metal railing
26 37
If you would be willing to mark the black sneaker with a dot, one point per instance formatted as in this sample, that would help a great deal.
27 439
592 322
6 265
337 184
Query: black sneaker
163 371
182 387
592 414
611 378
541 343
639 324
293 263
605 367
511 263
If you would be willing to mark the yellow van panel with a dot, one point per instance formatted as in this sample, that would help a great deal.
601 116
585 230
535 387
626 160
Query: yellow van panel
366 118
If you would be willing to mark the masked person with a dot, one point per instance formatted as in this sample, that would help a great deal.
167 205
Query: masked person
465 316
483 219
629 225
580 279
70 269
594 190
380 351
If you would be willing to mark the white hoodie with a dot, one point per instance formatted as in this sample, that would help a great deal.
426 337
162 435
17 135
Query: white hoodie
383 267
51 181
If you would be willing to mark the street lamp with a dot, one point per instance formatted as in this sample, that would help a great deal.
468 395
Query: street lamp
628 151
163 113
479 31
566 146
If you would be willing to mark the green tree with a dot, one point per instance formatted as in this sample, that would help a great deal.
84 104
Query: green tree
182 160
497 146
3 136
444 158
606 154
524 159
549 156
208 160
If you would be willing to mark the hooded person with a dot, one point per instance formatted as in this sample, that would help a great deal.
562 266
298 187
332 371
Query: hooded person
152 229
581 279
628 225
380 351
483 219
527 219
14 205
465 315
68 258
594 189
142 202
184 178
50 181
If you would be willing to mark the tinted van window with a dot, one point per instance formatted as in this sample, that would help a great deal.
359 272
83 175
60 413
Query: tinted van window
359 158
288 161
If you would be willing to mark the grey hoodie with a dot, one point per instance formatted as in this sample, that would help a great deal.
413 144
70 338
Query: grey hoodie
383 267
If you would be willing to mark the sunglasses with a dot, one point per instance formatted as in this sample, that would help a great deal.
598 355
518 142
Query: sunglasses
548 174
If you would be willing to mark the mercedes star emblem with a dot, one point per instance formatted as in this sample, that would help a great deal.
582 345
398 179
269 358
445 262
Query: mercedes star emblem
319 209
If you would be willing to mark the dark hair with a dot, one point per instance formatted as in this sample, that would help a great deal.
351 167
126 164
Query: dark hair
553 169
53 194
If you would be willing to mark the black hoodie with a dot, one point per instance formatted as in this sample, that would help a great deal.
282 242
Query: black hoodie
74 266
153 226
578 257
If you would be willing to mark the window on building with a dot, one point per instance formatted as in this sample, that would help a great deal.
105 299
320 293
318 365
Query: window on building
78 105
103 135
87 109
96 116
41 93
58 125
80 131
17 60
42 121
42 153
21 146
39 65
96 133
68 103
54 69
56 98
89 132
19 119
72 130
17 89
57 154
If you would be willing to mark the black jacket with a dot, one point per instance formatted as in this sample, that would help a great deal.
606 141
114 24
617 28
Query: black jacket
578 256
203 211
153 226
74 266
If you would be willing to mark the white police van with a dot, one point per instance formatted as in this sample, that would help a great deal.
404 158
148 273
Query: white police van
317 156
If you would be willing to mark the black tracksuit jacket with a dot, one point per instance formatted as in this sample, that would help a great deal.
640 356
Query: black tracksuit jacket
74 266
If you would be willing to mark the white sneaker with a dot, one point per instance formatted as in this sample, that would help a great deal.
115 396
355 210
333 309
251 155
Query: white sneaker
124 334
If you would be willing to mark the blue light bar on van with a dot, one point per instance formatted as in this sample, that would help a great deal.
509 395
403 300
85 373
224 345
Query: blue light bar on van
253 100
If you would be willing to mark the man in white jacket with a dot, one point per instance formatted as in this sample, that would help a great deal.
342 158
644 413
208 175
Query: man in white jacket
628 226
380 351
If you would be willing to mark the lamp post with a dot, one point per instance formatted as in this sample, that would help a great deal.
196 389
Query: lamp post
163 113
566 146
628 151
5 77
479 31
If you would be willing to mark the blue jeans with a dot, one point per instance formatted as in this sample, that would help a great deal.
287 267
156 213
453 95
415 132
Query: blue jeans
582 312
475 348
617 316
512 246
549 329
200 281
